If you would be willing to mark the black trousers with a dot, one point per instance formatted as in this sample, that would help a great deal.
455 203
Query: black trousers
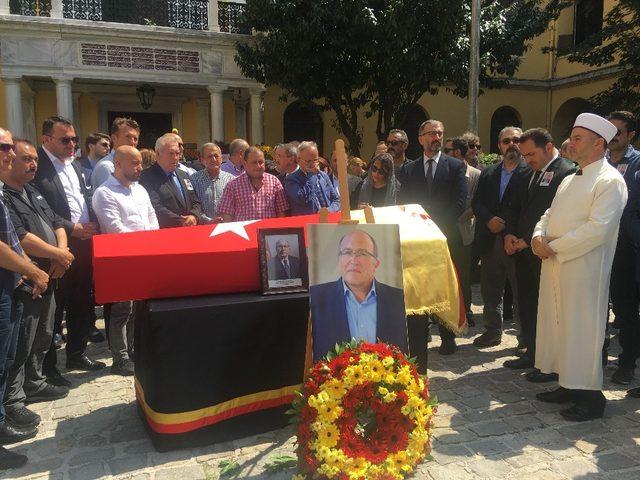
625 300
77 286
528 268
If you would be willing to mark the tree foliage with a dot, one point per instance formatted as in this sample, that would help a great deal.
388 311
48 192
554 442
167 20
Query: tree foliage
619 41
382 55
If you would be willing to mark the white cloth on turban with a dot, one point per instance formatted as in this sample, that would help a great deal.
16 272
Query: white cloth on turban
596 124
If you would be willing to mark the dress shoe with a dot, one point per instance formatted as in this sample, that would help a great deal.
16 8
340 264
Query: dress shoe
95 336
519 363
559 395
123 367
10 434
634 392
47 394
581 413
10 460
488 339
448 347
622 376
54 377
536 376
84 363
22 417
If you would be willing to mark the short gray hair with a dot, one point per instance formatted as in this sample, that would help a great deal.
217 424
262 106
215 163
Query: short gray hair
162 141
290 150
402 133
431 121
509 128
209 145
306 145
236 145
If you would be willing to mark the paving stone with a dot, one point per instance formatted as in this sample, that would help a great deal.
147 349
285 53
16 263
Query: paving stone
493 428
576 467
615 461
92 470
525 423
489 468
92 456
445 454
450 472
181 473
453 436
581 430
129 464
487 447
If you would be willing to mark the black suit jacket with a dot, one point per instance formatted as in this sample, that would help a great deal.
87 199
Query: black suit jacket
167 201
528 205
487 204
50 186
449 191
331 324
277 272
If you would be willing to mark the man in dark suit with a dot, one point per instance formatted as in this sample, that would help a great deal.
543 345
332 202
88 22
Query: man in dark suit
532 197
172 195
438 183
357 305
62 183
284 266
490 205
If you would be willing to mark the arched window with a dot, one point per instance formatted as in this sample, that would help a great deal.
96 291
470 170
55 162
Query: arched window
415 116
566 115
302 121
503 117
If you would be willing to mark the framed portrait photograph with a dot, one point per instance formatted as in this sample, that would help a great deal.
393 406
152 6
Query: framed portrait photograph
283 260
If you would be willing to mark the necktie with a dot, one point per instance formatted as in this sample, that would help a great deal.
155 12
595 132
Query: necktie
287 270
429 175
534 182
176 182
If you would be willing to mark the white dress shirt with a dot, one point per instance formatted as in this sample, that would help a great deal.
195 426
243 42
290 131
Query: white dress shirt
436 159
103 170
123 209
72 189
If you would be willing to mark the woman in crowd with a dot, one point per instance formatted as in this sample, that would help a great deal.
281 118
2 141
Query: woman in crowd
380 188
357 167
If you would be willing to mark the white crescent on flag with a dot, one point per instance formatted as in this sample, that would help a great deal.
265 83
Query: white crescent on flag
235 227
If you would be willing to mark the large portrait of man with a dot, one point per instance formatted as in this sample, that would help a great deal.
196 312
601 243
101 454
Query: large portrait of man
356 286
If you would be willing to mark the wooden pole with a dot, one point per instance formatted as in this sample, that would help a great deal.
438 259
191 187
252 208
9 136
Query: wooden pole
368 214
341 159
474 66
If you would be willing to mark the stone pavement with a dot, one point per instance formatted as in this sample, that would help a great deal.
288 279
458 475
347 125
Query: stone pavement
488 426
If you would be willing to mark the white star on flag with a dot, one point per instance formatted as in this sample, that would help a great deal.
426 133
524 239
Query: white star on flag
235 227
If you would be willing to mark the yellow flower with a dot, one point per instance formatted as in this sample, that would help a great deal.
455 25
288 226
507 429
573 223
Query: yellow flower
328 436
389 397
298 476
387 361
353 375
404 375
382 391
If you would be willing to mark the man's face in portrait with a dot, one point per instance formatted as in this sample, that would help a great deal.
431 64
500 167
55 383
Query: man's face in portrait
358 260
282 249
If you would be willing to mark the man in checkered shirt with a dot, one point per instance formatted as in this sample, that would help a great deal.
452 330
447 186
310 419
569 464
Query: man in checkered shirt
254 194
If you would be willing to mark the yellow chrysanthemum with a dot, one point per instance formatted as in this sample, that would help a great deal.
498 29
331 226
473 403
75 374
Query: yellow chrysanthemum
387 361
328 436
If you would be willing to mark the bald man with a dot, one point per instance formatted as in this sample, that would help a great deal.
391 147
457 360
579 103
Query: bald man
357 306
123 205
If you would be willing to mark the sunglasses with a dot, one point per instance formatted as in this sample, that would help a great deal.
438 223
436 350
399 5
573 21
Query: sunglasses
394 143
381 171
67 140
507 141
6 147
475 146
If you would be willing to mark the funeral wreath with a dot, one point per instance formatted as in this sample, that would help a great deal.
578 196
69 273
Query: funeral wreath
363 413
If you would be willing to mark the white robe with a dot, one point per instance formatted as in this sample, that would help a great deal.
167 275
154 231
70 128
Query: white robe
574 285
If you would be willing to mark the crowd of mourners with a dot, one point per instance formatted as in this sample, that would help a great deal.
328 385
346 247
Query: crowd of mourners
554 232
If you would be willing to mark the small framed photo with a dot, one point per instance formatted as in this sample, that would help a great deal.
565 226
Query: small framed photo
283 260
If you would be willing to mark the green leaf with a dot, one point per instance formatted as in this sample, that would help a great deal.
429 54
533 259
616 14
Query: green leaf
278 463
229 469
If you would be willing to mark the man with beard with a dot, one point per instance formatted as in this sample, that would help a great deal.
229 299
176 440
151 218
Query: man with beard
438 183
490 206
123 205
397 144
575 239
625 297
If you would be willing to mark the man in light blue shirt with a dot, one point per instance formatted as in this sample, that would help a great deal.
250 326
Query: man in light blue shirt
370 311
124 131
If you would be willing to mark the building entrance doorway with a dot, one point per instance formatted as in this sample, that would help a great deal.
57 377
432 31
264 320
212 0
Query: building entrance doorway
152 125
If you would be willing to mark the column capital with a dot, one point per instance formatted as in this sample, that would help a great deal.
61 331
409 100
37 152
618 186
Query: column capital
259 90
213 89
62 79
12 78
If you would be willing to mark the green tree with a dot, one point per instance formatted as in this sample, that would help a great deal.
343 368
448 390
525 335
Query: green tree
382 55
619 41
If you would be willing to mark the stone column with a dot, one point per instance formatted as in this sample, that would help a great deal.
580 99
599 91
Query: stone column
64 97
256 116
5 7
204 129
56 9
13 100
240 101
29 113
213 16
217 112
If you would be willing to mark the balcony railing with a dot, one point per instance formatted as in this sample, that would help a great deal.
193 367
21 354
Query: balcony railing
189 14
